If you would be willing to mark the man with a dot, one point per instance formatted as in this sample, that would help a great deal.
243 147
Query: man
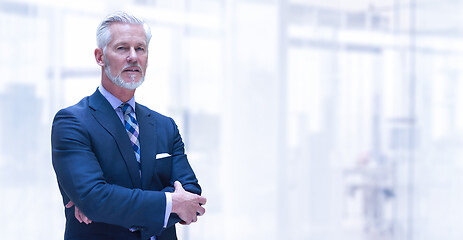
121 167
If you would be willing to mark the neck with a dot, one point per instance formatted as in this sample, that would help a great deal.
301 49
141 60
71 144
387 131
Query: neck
121 93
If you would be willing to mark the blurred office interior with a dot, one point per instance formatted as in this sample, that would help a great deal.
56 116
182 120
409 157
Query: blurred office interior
303 119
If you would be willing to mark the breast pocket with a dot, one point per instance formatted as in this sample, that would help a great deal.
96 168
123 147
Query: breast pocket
164 170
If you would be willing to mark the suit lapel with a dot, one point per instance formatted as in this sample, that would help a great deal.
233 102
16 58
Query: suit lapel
107 117
147 137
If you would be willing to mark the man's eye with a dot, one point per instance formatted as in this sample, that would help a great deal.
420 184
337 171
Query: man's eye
140 49
120 48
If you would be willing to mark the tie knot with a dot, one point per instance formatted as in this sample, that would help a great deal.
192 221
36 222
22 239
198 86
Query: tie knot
126 109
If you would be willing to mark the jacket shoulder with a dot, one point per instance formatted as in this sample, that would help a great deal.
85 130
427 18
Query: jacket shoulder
76 109
83 105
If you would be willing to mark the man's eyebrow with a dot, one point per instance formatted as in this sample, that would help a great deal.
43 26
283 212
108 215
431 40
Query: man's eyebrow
126 43
120 43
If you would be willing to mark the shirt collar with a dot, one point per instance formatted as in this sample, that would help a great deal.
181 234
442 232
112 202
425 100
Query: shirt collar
114 101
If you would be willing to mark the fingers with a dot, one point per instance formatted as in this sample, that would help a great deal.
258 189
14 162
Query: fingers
187 205
191 217
78 214
201 211
81 217
202 200
69 204
190 220
85 219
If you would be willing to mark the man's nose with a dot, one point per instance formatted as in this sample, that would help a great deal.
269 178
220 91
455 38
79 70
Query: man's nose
132 57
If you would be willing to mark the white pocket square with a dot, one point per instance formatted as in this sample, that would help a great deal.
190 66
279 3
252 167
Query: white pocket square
162 155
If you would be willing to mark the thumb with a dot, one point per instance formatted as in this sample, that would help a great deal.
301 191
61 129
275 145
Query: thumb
178 186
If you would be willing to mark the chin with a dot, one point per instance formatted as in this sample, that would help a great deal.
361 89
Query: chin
133 79
132 84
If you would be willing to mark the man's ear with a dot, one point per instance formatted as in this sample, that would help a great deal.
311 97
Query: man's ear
99 57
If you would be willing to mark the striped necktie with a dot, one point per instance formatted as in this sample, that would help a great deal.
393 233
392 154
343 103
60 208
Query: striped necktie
131 126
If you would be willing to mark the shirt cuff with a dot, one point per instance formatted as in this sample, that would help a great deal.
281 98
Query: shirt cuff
168 208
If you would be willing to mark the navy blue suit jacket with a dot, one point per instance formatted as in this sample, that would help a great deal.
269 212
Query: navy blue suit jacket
96 168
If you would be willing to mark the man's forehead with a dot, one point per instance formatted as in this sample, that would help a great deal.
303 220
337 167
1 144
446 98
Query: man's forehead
127 32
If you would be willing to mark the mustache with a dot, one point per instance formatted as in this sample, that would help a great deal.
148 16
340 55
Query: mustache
133 65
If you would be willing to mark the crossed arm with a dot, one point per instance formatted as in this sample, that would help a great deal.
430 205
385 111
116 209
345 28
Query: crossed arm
188 206
82 183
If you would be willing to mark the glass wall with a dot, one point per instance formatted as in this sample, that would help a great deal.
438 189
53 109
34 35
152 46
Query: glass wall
302 119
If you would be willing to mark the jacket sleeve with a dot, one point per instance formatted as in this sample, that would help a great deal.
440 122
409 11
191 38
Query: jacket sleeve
181 169
81 179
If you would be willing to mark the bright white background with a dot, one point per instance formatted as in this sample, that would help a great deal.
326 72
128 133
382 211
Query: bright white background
303 119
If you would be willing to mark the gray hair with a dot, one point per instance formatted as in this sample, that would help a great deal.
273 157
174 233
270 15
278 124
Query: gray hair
103 35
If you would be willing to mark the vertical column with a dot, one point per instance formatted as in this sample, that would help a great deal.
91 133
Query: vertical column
251 129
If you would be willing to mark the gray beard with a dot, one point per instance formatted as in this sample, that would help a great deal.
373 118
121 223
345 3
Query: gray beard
120 82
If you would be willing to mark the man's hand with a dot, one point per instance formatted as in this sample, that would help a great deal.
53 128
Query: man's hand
187 205
78 214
